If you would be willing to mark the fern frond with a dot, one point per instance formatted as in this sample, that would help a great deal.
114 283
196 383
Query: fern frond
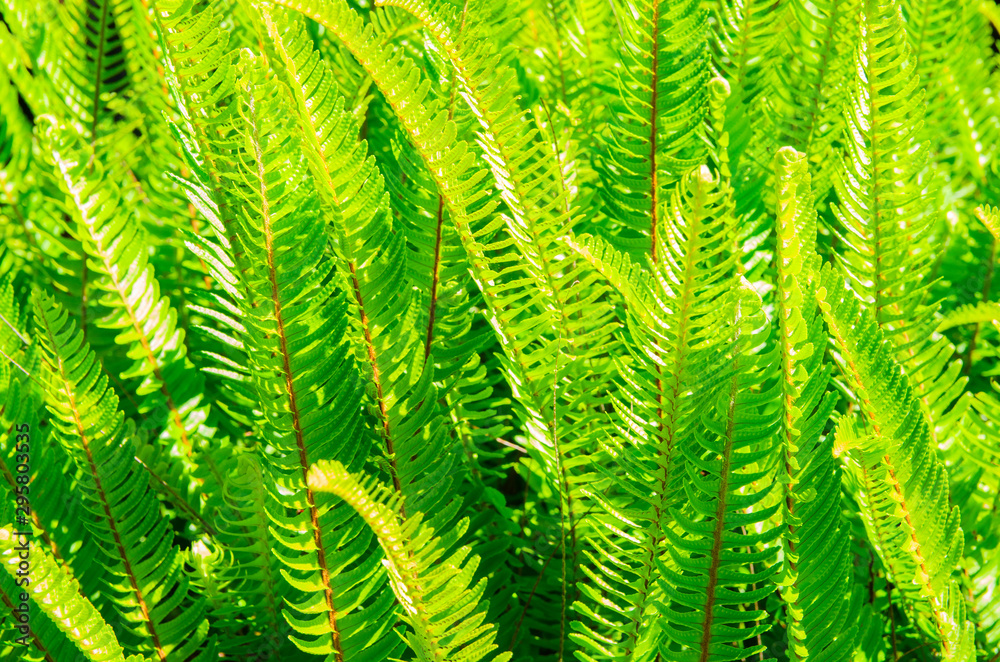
932 27
42 642
662 100
722 550
306 384
58 596
372 272
990 217
89 75
885 215
432 587
137 545
745 37
591 32
49 499
984 312
966 74
672 365
148 323
626 278
429 130
815 67
982 581
815 583
527 175
170 390
882 208
980 433
902 482
198 68
254 600
540 339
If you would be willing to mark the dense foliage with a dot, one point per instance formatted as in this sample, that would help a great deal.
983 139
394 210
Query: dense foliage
459 330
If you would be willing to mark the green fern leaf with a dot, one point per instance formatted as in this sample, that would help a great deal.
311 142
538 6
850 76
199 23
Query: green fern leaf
664 382
432 587
58 597
816 63
903 485
306 387
136 544
882 208
822 620
990 217
722 552
662 100
147 321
